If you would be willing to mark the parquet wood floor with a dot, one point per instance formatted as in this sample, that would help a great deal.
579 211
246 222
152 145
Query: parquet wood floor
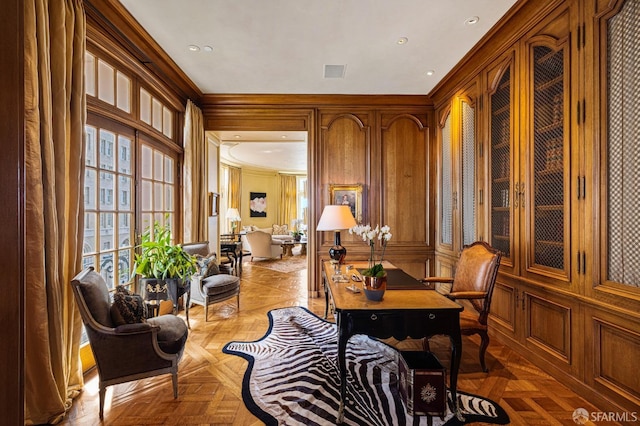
209 382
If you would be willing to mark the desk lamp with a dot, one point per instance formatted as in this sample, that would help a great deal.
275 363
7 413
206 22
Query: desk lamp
233 216
336 218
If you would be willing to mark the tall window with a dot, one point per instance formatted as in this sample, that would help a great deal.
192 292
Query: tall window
130 172
108 204
158 187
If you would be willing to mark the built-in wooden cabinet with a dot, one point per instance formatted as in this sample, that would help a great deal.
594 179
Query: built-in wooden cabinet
558 118
457 174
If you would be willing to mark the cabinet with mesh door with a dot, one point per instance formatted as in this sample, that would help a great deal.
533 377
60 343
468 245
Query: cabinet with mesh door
422 383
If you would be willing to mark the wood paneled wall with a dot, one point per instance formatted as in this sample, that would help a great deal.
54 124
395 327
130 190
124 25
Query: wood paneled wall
381 142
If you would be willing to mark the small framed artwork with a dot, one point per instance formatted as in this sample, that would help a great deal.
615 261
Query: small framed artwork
258 204
350 195
214 203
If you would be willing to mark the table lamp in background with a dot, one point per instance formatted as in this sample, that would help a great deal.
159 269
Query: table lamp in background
233 216
336 218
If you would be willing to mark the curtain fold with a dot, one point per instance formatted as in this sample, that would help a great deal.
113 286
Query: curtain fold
288 199
54 156
234 190
195 176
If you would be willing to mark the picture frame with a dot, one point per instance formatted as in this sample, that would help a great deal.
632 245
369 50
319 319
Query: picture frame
348 194
214 203
257 204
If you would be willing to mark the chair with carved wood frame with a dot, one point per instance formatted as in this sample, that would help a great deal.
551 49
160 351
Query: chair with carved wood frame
473 281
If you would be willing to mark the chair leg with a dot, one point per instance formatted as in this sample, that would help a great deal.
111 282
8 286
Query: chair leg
174 379
206 309
102 392
484 343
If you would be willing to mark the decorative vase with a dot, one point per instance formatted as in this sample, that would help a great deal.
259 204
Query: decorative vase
374 287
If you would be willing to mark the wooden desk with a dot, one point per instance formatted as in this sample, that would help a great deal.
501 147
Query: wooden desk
233 249
400 314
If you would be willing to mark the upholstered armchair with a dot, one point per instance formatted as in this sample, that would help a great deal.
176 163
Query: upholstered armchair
472 285
261 244
127 352
207 290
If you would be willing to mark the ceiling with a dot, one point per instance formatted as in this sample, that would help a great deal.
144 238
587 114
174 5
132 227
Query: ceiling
285 46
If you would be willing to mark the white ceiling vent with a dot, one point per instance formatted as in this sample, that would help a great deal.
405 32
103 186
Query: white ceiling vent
334 71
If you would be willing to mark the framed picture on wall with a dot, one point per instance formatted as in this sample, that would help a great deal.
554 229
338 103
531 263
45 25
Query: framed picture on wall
349 195
258 204
214 204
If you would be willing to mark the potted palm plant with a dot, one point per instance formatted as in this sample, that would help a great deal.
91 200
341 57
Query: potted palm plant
162 266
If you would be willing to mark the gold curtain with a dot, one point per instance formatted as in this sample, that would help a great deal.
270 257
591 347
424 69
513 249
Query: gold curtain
235 189
55 115
288 200
195 183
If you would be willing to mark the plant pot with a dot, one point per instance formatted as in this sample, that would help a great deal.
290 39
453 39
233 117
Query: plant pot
374 287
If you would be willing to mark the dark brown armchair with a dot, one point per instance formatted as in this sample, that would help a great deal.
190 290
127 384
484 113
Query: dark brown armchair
128 352
473 281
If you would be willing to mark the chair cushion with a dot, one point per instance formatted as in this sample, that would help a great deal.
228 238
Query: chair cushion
96 295
218 285
208 265
173 332
280 229
127 307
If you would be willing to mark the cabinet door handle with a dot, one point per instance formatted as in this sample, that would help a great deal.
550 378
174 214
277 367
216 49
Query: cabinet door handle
374 317
515 195
432 316
522 195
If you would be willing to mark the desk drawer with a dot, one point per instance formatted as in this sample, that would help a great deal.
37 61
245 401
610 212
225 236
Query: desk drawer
384 324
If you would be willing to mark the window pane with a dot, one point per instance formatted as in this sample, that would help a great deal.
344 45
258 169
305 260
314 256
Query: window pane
88 261
158 162
168 197
106 82
145 106
106 268
124 190
125 230
167 122
146 196
124 155
124 262
158 199
90 146
124 92
147 162
157 114
90 232
168 169
106 231
107 147
90 187
147 220
89 74
106 190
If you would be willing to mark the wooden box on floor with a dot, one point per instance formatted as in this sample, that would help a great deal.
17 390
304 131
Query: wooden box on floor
422 383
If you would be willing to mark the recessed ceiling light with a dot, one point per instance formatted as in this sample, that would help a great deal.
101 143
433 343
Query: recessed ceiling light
194 48
431 72
402 40
284 136
208 49
236 136
471 21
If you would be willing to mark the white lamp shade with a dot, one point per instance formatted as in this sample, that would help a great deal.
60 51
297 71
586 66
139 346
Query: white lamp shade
233 214
336 218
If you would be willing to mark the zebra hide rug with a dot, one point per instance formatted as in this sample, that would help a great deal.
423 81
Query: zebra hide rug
292 378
